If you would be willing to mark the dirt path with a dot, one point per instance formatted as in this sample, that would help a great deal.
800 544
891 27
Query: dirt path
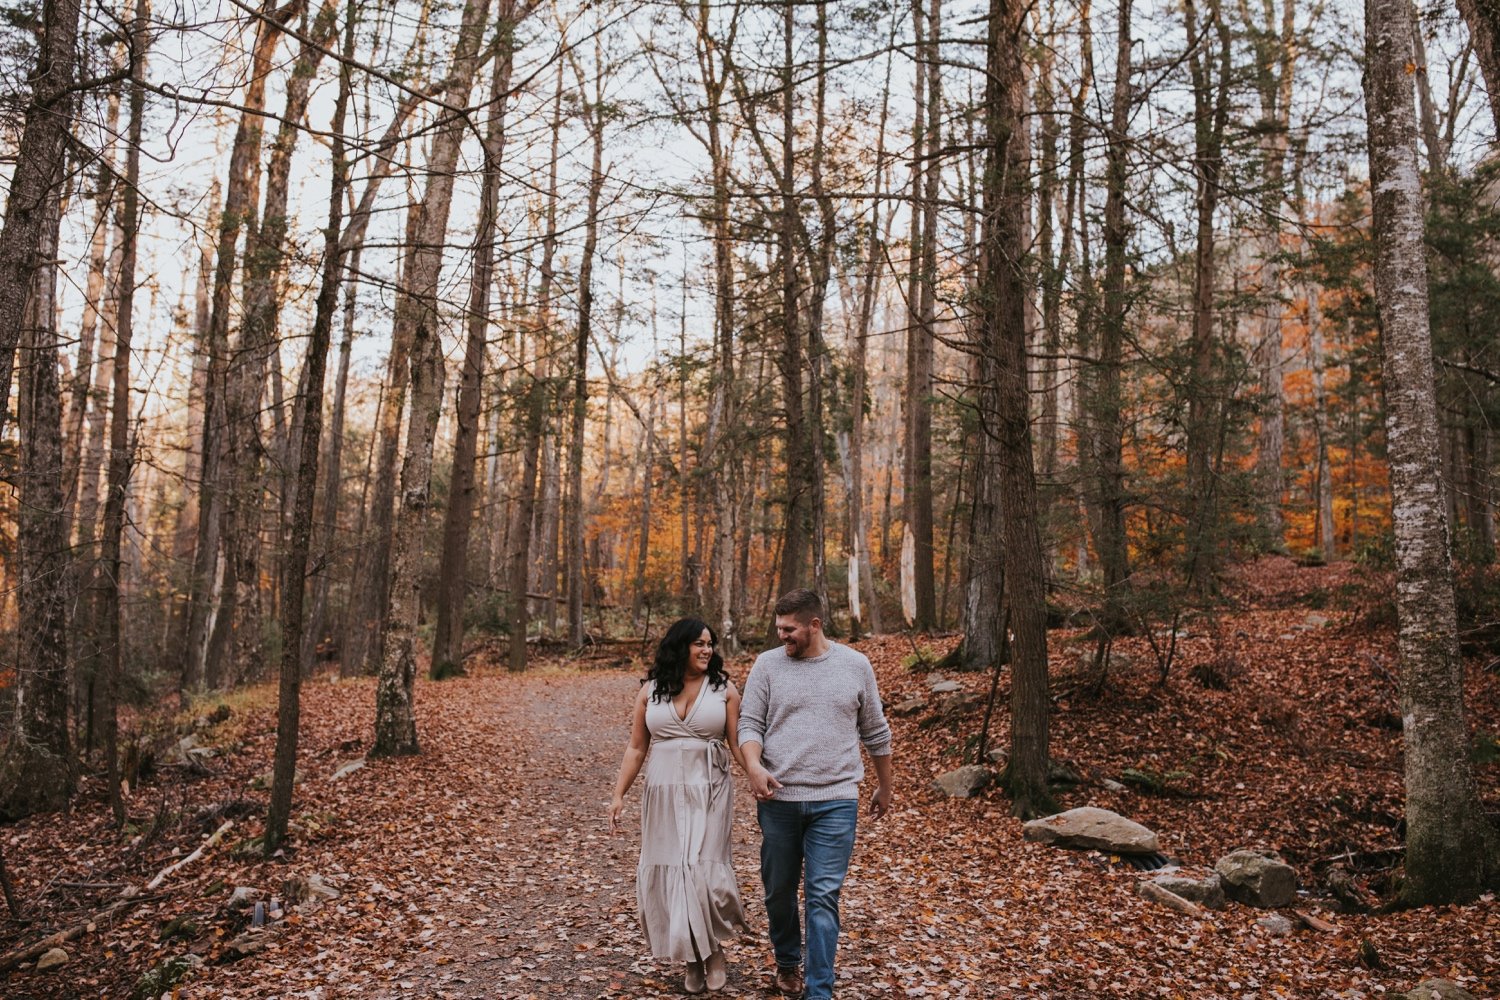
549 895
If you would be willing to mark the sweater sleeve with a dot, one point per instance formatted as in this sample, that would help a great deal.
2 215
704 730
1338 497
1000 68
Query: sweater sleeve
754 704
874 731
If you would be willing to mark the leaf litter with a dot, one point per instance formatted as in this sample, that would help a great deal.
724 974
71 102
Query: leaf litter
483 867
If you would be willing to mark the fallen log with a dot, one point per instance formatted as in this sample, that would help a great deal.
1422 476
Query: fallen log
1169 899
210 842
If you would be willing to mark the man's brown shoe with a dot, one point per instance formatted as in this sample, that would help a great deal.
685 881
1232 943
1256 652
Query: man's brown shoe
789 981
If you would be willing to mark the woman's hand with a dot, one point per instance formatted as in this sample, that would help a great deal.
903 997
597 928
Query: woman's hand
616 806
762 785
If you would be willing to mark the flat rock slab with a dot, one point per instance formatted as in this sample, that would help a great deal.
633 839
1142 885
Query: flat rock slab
1091 828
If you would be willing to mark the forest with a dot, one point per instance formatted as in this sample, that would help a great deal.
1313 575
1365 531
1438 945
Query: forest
355 351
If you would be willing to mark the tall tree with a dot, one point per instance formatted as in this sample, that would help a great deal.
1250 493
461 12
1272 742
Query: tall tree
1275 44
310 421
922 305
417 324
39 172
250 360
1450 854
111 565
532 394
1104 386
800 464
40 751
595 112
447 643
1483 20
1004 404
208 620
1208 48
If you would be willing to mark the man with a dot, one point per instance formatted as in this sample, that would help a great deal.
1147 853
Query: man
808 705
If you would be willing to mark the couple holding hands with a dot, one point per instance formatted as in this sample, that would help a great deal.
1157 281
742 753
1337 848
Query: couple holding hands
807 707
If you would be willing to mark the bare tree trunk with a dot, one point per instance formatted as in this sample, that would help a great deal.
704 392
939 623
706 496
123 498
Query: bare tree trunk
362 650
723 407
1276 51
594 112
452 587
1320 424
799 461
211 604
1210 74
417 323
1004 403
1050 258
250 358
1085 306
523 521
1483 20
310 422
40 751
186 532
39 172
325 540
1450 854
108 579
549 516
820 266
93 302
917 470
1104 404
858 526
643 534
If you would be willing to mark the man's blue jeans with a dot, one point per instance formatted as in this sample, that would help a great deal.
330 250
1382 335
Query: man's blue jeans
808 842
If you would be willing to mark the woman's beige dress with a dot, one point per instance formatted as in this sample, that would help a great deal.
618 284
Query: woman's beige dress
685 890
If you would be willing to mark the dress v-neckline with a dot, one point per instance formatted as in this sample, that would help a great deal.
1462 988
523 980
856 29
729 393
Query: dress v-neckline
688 712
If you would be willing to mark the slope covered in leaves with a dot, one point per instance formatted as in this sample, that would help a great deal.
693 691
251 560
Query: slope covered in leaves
483 867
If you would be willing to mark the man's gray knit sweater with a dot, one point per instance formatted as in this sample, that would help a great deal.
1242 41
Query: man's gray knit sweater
810 717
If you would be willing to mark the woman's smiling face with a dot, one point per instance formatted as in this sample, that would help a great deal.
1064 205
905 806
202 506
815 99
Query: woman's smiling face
700 653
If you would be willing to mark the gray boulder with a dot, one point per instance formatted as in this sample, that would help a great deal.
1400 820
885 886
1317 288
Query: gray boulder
1257 879
1090 828
1207 893
963 782
945 687
51 959
1436 989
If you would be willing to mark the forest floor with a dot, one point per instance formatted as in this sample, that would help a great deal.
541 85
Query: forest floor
484 868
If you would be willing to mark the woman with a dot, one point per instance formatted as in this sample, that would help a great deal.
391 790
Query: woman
686 714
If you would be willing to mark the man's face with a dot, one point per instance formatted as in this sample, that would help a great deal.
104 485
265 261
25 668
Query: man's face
797 634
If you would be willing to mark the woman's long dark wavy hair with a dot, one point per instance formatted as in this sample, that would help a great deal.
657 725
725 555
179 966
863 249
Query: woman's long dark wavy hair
672 656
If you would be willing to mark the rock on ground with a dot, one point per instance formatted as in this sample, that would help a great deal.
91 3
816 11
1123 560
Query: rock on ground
51 959
1257 879
1091 828
1208 892
963 782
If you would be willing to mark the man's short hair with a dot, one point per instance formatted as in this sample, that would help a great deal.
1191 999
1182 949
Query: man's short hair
801 603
